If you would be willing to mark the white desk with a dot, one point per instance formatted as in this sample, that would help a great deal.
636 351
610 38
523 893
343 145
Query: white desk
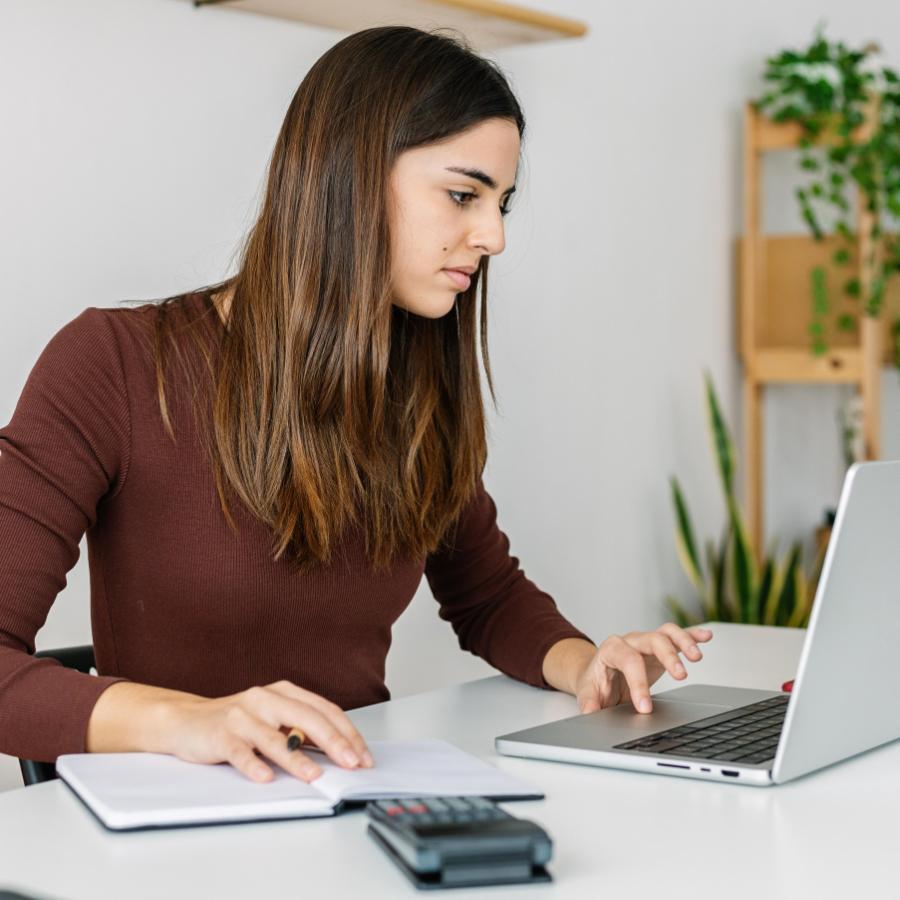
617 834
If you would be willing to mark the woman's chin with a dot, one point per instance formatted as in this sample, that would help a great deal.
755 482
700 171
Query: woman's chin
429 309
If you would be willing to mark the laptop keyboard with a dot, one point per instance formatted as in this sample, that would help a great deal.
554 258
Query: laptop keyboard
748 734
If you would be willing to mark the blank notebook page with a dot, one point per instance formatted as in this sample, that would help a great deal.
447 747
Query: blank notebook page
128 790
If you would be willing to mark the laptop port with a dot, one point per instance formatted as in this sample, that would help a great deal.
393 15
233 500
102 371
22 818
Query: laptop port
731 772
672 766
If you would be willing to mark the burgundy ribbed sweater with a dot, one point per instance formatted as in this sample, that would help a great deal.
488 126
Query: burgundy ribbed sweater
178 599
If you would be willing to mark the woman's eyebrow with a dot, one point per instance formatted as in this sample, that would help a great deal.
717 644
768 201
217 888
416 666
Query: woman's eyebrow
478 175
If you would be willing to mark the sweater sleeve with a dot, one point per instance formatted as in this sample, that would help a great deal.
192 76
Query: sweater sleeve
496 612
65 450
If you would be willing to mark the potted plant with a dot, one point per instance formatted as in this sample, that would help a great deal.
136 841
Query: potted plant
732 583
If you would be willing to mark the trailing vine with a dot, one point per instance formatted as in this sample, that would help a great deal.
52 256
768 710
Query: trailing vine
831 90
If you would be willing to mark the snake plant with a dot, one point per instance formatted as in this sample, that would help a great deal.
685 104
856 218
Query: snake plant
732 583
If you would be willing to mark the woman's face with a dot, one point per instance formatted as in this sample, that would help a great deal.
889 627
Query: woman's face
446 212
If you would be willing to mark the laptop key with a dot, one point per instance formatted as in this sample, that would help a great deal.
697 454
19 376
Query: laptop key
664 746
686 749
730 756
760 758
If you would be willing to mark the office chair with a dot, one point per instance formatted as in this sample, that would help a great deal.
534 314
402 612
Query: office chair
81 658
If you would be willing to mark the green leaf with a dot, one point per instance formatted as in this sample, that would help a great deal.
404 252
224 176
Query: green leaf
846 322
721 609
788 598
722 445
743 567
819 281
770 613
803 602
684 539
765 586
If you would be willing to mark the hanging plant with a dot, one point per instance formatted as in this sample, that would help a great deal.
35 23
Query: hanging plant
832 91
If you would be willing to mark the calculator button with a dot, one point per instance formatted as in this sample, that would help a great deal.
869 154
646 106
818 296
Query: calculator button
392 809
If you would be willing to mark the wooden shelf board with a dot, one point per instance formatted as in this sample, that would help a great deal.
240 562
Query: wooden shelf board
485 23
798 366
770 135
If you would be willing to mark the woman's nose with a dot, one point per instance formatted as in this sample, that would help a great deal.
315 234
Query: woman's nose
489 234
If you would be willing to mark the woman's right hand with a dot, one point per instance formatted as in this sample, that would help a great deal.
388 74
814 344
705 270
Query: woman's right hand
230 729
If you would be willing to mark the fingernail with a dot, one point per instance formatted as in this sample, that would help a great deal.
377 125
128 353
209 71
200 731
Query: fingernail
350 758
694 648
260 772
310 772
367 759
679 669
644 705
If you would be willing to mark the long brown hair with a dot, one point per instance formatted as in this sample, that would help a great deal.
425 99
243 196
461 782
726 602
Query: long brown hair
330 404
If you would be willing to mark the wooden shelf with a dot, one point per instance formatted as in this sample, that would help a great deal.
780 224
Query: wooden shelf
485 23
776 309
783 304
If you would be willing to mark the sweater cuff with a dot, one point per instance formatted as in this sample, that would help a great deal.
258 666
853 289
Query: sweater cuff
51 718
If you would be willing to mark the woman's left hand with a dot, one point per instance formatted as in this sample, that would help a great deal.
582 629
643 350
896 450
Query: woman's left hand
625 665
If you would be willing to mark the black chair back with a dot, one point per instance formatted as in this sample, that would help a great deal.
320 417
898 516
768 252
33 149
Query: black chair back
81 658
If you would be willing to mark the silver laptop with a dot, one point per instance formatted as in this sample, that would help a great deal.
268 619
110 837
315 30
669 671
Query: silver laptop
844 696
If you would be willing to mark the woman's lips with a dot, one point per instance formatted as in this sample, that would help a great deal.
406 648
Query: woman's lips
460 279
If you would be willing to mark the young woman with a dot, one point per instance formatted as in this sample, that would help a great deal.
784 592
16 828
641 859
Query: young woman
266 467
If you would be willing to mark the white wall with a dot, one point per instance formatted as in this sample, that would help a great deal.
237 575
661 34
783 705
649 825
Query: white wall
135 135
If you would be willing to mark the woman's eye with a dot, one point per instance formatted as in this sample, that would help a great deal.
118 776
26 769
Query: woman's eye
456 195
461 198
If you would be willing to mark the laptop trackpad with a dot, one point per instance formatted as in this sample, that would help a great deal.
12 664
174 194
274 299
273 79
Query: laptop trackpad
616 724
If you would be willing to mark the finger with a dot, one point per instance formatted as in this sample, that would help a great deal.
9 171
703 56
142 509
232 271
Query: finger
240 755
589 702
661 650
685 640
332 711
620 655
666 652
270 741
277 710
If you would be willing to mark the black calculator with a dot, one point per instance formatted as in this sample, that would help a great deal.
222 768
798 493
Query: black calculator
446 842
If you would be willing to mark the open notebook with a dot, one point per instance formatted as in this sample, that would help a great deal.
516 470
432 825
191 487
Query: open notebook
151 790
